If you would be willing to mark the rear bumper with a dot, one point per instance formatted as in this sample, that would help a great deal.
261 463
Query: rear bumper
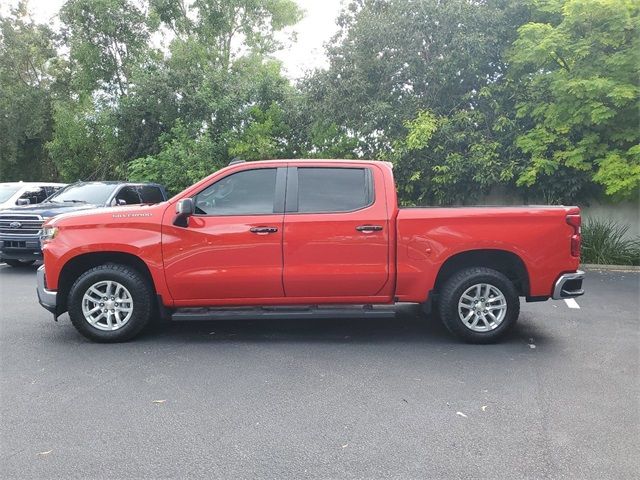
568 285
47 298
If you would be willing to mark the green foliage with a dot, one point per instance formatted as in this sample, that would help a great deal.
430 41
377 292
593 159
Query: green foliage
106 40
27 62
139 108
421 129
261 137
579 71
539 97
184 158
422 84
84 144
607 242
216 23
328 140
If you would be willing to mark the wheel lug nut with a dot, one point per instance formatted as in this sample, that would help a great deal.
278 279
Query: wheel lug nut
104 311
102 304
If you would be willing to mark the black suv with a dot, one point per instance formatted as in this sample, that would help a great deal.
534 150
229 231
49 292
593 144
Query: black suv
20 226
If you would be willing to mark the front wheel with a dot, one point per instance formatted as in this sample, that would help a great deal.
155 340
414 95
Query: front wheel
110 303
479 305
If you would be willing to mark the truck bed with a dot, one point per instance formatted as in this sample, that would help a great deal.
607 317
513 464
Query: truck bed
539 235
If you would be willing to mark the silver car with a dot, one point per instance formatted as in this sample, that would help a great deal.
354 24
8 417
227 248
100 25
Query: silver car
26 193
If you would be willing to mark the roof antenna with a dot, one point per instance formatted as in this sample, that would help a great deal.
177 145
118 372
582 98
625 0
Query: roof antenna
236 160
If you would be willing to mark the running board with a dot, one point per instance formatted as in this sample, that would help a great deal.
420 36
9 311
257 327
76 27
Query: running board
314 312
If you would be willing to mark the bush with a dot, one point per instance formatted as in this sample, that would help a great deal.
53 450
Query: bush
606 242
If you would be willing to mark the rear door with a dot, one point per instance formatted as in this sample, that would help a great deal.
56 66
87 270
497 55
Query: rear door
336 238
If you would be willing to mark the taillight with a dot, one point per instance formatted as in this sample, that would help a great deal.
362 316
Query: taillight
575 221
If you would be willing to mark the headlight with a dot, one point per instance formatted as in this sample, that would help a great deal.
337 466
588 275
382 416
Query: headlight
48 234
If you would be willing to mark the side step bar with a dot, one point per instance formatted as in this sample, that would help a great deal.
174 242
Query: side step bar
295 313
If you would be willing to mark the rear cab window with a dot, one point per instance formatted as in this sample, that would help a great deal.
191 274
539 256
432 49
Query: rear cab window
332 190
127 195
151 194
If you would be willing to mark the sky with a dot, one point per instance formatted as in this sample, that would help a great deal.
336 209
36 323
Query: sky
313 31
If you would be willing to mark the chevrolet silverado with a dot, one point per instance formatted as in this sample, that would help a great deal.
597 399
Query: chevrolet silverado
304 238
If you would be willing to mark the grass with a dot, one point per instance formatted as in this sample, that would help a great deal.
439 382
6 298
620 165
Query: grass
606 242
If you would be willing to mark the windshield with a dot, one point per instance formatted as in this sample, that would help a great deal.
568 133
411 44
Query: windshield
94 193
6 191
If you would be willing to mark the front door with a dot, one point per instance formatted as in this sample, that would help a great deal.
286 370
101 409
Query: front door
336 239
232 247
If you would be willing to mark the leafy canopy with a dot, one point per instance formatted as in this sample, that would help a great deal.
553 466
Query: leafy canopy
579 63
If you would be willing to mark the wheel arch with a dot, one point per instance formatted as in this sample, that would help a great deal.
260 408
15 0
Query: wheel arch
79 264
503 261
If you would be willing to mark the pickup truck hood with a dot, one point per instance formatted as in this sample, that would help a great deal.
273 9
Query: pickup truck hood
49 209
107 214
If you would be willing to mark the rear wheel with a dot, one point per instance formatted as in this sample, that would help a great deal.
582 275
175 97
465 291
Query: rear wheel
479 305
19 263
110 303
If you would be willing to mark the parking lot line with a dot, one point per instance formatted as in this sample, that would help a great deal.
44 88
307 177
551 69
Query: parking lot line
571 303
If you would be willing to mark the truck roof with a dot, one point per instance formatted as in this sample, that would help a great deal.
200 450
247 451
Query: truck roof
114 182
30 184
313 160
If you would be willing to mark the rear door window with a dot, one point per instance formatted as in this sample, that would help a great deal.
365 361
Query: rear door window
151 194
127 196
326 190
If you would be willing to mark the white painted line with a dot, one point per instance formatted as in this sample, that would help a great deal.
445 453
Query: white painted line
571 303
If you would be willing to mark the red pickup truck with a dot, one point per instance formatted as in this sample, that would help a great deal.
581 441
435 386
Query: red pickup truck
304 238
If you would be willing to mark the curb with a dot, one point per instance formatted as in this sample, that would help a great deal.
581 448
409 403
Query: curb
610 268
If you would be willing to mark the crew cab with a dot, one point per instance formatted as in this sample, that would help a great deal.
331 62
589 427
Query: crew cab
303 238
20 227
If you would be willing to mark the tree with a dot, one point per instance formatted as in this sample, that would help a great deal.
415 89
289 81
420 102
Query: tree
27 62
85 145
579 64
184 158
107 39
221 93
394 62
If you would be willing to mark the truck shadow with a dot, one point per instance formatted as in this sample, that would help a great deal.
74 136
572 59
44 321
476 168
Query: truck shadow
407 328
21 271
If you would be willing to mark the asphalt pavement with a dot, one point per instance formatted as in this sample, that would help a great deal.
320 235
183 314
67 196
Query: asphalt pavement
325 399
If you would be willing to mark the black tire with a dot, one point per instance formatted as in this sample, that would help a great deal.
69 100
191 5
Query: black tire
19 263
136 284
451 295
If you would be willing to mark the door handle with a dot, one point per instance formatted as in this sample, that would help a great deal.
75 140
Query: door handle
368 228
263 230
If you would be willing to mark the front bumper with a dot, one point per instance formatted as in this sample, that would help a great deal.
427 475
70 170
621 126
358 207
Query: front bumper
569 285
20 248
47 298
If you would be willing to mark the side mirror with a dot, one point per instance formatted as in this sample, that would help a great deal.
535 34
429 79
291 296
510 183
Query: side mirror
120 202
23 201
184 209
